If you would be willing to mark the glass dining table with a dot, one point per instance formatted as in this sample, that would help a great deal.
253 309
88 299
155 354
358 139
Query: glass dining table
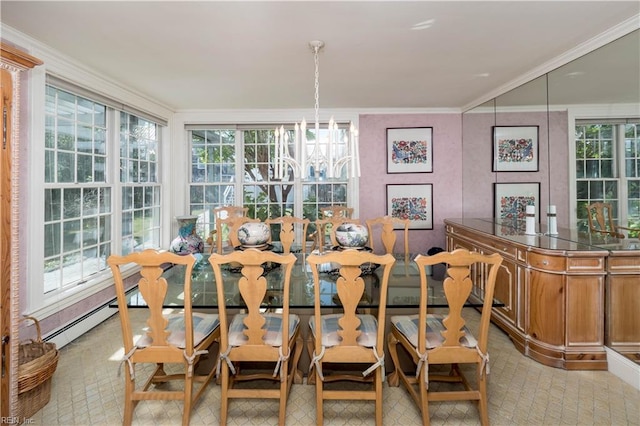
403 288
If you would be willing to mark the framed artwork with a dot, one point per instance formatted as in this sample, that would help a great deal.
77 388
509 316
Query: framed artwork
410 150
515 148
511 199
413 202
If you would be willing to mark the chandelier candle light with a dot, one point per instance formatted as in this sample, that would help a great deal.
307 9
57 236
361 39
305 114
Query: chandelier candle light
329 155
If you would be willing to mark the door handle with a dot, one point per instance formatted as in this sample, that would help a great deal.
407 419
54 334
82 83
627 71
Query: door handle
5 344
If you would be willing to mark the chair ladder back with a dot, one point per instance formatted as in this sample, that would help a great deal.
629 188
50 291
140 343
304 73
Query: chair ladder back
388 234
153 288
350 289
252 286
219 215
462 265
600 217
288 231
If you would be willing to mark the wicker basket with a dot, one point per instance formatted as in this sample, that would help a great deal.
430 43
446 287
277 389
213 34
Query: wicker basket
37 363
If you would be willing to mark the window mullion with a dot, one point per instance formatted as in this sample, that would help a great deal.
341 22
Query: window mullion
113 178
622 175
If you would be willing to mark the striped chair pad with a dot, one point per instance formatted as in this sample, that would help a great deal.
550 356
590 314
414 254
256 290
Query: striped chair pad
203 326
330 327
408 326
273 326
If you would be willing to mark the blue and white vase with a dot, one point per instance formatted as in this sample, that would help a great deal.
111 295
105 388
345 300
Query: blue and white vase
187 241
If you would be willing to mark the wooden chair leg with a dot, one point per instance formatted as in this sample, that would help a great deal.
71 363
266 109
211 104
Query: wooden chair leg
128 402
378 386
311 377
224 394
482 403
424 398
297 353
188 394
319 400
392 345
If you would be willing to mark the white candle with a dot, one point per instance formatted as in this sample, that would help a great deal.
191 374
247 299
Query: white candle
276 154
285 148
552 220
303 149
530 220
329 150
317 151
357 153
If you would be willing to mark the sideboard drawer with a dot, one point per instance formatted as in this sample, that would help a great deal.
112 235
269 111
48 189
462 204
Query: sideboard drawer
546 263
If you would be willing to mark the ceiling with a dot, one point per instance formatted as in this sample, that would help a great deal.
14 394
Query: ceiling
255 55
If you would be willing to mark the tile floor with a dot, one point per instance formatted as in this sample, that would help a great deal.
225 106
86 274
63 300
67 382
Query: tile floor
88 391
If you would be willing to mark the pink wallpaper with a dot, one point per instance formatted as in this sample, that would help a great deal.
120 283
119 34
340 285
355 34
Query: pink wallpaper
446 177
552 175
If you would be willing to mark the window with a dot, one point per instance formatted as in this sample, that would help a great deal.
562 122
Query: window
215 181
140 186
607 156
213 173
80 198
77 196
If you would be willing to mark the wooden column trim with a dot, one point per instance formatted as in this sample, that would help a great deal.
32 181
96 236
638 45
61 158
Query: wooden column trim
13 61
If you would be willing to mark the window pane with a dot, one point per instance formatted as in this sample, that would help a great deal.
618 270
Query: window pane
582 190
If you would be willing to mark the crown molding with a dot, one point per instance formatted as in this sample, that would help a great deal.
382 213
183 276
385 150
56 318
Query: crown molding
582 49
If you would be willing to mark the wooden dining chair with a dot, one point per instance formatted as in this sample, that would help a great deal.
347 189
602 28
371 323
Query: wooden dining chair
436 339
387 226
600 217
180 338
328 212
348 339
221 216
288 231
256 336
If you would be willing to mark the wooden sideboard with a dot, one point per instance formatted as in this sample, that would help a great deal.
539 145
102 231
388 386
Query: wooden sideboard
553 290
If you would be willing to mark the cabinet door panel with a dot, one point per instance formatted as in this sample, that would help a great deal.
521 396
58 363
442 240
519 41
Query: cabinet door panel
546 307
505 290
585 326
623 327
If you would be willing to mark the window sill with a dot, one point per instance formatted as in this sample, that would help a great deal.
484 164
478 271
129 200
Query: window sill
69 297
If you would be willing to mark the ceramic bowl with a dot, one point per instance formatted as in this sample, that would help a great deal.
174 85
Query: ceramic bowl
352 235
254 234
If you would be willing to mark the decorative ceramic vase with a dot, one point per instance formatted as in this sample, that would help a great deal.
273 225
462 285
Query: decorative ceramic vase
254 234
187 241
352 235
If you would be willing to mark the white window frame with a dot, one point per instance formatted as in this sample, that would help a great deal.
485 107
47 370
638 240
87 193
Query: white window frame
594 112
31 167
181 176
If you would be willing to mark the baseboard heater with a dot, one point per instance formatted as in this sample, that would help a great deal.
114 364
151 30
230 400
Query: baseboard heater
69 332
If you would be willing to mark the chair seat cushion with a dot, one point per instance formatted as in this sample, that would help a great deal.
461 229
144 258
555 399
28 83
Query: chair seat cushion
329 323
273 326
408 326
203 326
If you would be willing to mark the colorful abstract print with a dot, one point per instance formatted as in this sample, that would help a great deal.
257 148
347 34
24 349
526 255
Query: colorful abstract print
412 208
514 206
409 152
515 150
